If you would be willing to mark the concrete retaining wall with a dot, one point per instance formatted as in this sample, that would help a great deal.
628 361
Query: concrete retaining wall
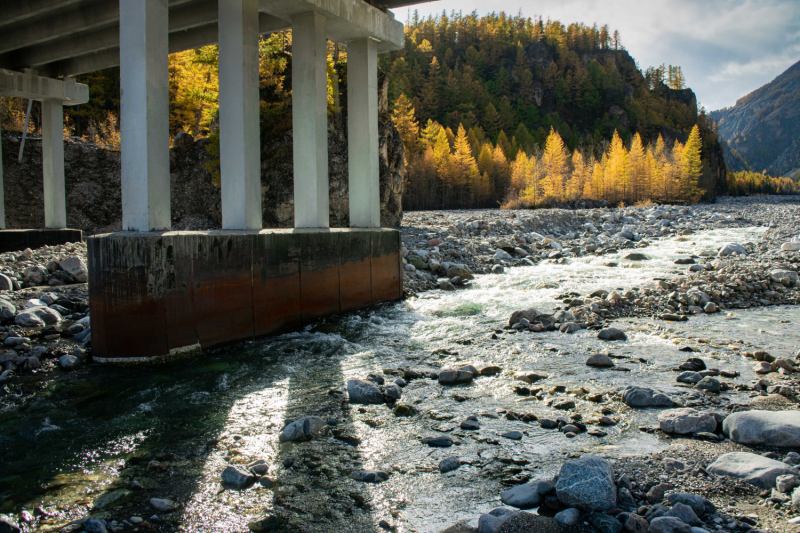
159 294
13 240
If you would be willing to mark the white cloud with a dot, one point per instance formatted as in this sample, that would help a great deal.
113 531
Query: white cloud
727 48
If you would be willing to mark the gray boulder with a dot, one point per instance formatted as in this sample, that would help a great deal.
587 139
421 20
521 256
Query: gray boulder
700 505
448 464
494 520
754 469
684 513
587 483
771 428
76 268
644 397
612 334
599 360
5 283
455 377
28 319
568 517
236 477
69 362
732 248
669 524
370 476
708 383
686 421
7 310
364 392
528 495
689 377
302 429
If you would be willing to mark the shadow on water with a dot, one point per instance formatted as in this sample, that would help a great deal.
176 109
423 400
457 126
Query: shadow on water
173 428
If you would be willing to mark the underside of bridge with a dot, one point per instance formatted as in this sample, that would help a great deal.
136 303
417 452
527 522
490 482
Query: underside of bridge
154 292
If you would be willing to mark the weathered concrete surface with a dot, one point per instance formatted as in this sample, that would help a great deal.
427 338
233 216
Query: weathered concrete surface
12 240
160 294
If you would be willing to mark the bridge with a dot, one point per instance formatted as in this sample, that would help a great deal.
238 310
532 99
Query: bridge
156 293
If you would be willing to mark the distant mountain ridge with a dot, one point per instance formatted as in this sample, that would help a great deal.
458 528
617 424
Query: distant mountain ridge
762 131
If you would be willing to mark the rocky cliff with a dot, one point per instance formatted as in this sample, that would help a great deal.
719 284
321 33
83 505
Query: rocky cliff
762 130
94 201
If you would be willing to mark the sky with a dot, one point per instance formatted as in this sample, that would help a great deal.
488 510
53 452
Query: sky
726 48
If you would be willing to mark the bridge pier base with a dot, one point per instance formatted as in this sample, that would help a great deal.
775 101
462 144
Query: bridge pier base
156 295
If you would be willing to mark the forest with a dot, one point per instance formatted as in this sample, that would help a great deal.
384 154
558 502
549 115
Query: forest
494 111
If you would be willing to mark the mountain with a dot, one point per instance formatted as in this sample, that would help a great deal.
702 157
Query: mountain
762 131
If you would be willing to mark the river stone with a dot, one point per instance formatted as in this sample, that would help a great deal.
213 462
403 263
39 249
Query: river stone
789 275
69 362
636 257
95 525
302 429
493 521
364 392
568 517
438 442
76 268
528 314
691 378
28 319
732 248
699 504
460 271
644 397
684 513
448 464
5 283
709 384
754 469
455 377
599 360
771 428
633 523
236 477
110 499
7 310
605 523
370 476
529 376
669 524
587 483
686 421
163 505
392 392
527 495
612 334
790 247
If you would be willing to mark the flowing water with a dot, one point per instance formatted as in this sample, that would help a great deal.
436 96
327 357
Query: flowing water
100 428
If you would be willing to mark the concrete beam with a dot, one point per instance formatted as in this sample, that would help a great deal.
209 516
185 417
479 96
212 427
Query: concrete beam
178 42
55 205
17 12
346 20
30 86
310 121
145 115
240 135
362 133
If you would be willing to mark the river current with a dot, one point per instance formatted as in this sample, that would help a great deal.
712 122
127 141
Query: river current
95 430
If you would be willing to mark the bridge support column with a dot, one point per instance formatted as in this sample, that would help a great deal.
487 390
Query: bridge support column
310 121
240 147
362 133
2 193
145 115
55 204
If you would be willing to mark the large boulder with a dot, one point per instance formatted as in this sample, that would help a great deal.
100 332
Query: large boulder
644 397
528 314
732 248
686 421
771 428
527 495
75 267
365 392
754 469
587 483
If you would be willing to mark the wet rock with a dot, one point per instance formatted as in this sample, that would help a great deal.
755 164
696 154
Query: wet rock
392 393
402 409
370 476
303 429
612 334
633 523
644 397
69 362
95 525
455 377
692 378
111 499
236 477
490 371
460 527
568 517
163 505
771 428
587 483
636 257
460 271
512 435
259 468
709 384
754 469
693 364
525 314
529 377
669 524
269 522
732 248
699 504
8 524
600 361
494 520
686 421
684 513
363 392
563 404
438 442
762 368
448 464
605 523
527 495
471 424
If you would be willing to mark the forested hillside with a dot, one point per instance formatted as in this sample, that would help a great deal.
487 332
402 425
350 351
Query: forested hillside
762 131
509 109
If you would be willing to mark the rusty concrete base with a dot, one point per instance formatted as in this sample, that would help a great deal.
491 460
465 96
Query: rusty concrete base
14 240
161 294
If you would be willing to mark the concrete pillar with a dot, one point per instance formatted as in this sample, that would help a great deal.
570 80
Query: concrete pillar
240 146
310 121
55 204
362 133
2 193
145 114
